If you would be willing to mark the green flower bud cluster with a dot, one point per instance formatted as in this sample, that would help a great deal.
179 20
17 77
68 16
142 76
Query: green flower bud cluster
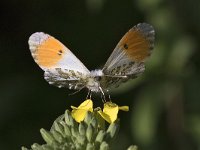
67 134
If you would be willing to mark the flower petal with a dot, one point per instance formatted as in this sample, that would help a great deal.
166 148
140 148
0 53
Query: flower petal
110 112
87 105
79 113
73 107
124 108
105 116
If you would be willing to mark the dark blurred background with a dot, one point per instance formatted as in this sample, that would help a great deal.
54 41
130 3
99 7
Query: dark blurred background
164 102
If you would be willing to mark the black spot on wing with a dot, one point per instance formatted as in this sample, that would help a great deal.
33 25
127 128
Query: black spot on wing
125 46
60 52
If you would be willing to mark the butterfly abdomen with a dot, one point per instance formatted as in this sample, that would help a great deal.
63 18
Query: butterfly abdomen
93 81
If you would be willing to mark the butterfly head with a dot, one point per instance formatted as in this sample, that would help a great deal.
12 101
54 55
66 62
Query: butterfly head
97 73
94 79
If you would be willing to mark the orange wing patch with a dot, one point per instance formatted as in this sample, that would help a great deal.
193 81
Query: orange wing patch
138 42
49 53
136 46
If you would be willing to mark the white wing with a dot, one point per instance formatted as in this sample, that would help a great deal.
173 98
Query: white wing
49 53
52 56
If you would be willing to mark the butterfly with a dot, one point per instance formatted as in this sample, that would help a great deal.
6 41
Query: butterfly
63 69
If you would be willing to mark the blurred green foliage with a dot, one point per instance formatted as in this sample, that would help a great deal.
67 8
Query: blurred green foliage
164 101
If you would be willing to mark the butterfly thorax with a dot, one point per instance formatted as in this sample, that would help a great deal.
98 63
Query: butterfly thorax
93 81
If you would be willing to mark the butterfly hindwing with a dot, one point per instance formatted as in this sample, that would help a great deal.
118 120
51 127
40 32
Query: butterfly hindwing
65 78
122 74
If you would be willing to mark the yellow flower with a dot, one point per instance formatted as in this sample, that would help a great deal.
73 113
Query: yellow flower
79 113
110 111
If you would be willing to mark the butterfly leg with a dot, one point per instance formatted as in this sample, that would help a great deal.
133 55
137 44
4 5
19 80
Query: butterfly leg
107 92
76 91
89 94
107 95
102 95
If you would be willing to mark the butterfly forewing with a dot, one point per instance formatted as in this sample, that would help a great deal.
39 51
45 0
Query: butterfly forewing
62 68
127 59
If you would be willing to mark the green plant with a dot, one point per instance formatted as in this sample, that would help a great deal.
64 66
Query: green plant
88 134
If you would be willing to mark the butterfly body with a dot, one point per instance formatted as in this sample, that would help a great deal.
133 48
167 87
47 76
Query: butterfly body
63 69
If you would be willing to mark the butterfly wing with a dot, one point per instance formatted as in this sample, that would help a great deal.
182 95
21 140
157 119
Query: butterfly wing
62 68
127 59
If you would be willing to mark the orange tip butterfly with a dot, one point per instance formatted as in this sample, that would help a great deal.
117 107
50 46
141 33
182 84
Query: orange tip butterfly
63 69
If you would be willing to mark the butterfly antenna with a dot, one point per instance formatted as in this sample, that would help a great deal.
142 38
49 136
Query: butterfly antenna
117 76
77 91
